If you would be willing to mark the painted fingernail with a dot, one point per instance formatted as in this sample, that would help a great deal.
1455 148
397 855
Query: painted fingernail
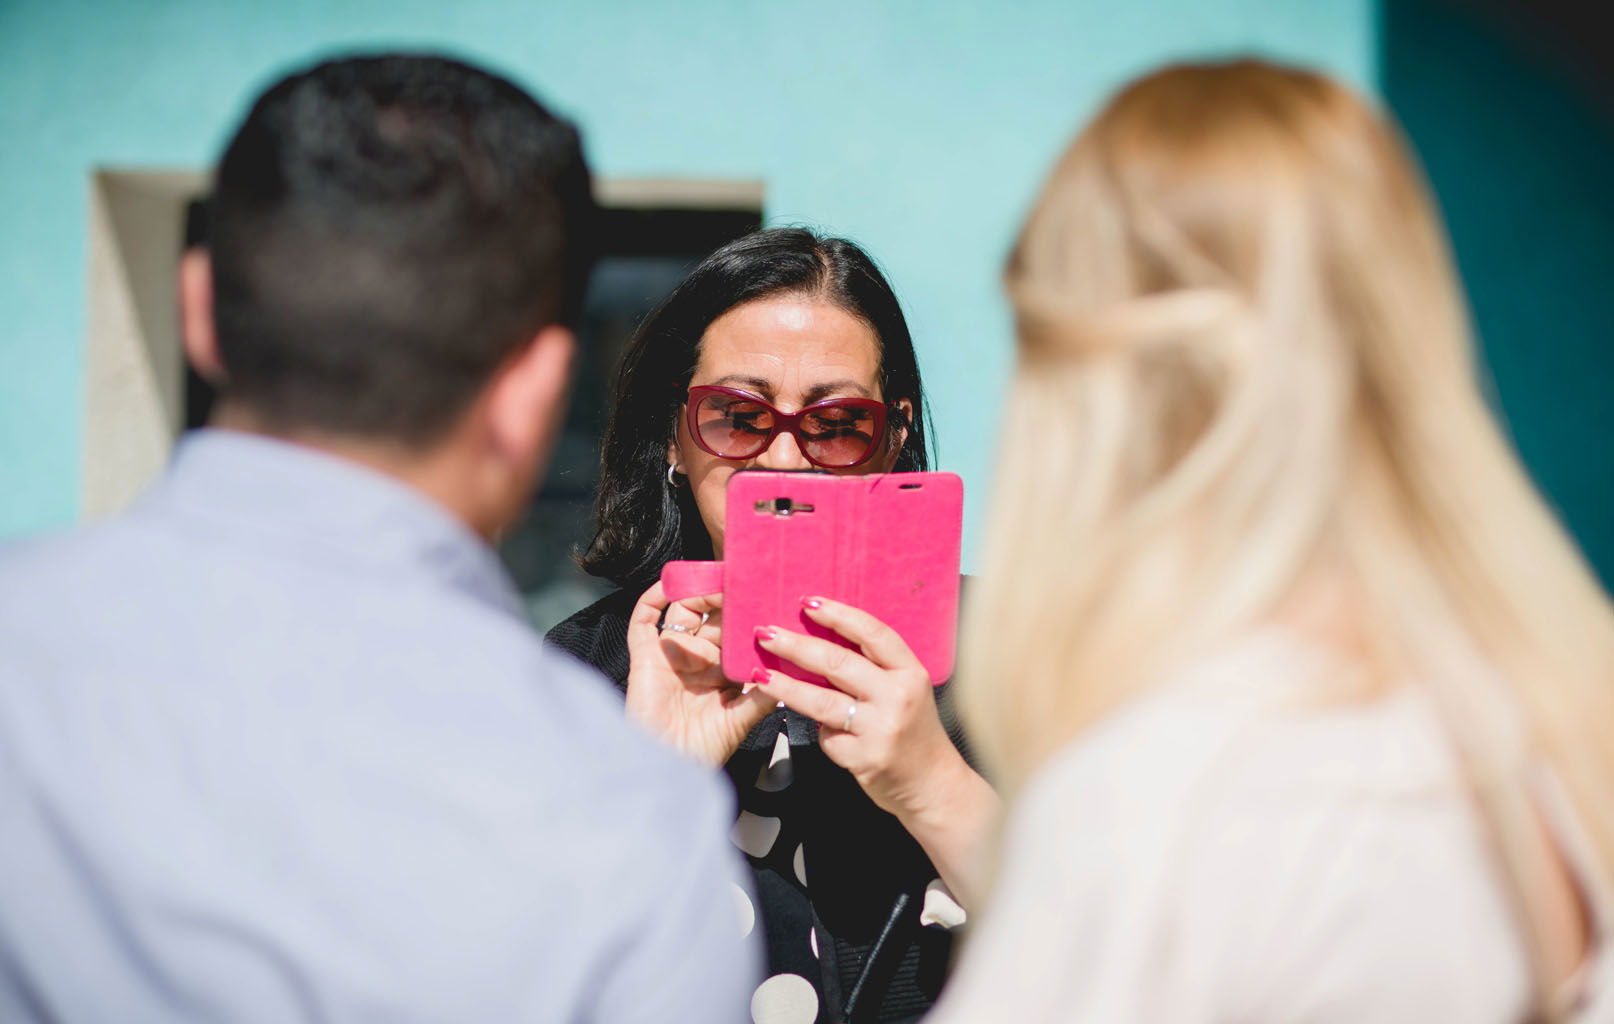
766 633
812 602
760 677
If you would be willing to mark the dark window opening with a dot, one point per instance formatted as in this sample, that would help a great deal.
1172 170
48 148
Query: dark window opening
645 253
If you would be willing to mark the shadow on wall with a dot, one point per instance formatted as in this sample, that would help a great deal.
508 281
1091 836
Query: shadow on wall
1511 108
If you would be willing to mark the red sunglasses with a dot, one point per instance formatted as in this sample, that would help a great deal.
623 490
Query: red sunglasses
833 434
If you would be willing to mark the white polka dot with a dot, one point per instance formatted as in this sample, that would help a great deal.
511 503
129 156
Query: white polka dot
755 834
784 999
744 910
940 907
800 864
812 940
780 772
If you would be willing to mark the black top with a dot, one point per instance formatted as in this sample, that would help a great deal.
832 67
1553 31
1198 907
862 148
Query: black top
840 882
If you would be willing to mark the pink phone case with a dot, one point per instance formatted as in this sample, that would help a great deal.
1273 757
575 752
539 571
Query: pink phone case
887 543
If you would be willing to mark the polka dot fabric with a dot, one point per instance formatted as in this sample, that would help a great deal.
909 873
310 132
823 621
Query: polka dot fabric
829 867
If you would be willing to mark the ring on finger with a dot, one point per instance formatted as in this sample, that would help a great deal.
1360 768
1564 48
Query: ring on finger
679 627
851 713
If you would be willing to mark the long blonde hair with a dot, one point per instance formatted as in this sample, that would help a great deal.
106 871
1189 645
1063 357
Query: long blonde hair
1244 362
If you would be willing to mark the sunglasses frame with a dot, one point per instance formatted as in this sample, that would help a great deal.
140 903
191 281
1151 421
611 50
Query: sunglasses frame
783 421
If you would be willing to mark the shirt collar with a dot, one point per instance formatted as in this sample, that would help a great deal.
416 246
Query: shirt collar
318 504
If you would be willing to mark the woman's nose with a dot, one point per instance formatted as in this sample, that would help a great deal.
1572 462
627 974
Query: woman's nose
784 453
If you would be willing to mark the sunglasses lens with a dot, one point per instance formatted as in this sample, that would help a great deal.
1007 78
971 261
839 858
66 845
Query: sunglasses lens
839 435
732 427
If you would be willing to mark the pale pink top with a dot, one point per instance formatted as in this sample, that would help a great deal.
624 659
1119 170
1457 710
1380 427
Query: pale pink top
1219 852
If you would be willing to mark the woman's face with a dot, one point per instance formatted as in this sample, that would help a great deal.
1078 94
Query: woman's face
791 351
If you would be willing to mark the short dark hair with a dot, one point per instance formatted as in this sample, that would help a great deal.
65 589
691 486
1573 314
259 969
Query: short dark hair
641 523
386 231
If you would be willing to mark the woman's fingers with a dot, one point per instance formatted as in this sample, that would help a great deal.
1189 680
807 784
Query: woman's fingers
693 656
880 643
748 706
645 620
705 602
649 606
680 619
712 630
654 613
847 669
693 611
700 615
824 706
692 652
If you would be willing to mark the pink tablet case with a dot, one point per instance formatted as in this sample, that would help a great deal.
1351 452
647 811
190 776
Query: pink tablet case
887 543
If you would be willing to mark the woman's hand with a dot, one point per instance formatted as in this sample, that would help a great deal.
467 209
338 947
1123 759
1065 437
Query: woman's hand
676 687
883 728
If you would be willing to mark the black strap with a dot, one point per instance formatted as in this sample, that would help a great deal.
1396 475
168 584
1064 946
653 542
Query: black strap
866 991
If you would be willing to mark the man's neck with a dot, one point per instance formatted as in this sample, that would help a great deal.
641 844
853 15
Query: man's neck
436 472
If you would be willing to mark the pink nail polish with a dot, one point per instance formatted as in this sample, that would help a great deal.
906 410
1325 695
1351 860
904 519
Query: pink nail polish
766 633
812 603
760 676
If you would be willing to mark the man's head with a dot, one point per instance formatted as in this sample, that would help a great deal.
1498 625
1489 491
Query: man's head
397 250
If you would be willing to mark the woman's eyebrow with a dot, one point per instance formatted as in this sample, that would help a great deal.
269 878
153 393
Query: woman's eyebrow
760 385
834 387
765 388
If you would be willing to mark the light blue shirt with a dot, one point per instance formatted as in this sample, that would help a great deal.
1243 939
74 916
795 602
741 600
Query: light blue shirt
276 745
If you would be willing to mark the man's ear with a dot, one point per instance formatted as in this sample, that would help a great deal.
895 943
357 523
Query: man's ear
527 399
196 325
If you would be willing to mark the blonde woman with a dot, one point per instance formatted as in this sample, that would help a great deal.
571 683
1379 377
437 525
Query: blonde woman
1305 702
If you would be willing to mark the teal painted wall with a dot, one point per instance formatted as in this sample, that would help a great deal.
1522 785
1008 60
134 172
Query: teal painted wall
920 129
1522 159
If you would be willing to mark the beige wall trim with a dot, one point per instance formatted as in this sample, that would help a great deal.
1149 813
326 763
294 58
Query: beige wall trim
134 373
679 193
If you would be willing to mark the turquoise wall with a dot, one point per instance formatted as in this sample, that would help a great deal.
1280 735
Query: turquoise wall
1522 158
920 129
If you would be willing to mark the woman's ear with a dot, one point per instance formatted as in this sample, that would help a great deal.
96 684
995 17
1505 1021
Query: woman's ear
901 433
896 436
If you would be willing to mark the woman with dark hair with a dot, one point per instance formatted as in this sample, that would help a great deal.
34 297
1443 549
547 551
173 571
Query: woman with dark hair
858 808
